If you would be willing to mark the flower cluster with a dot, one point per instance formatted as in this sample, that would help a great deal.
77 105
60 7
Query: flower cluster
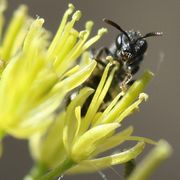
37 75
80 139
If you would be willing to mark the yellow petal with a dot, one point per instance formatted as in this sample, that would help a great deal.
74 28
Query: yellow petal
71 125
113 141
105 162
87 143
14 28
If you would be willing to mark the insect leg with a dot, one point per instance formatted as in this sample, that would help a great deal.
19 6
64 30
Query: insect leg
98 55
126 80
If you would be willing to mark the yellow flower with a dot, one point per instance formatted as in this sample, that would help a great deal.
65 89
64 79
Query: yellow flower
36 73
77 140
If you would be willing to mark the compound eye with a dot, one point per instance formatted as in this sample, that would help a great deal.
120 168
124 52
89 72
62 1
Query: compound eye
119 41
125 40
141 46
126 44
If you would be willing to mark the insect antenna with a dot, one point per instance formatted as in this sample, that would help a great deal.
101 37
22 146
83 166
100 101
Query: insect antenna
149 35
153 34
117 27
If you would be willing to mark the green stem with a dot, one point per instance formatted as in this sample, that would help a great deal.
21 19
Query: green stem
58 171
145 168
2 134
36 172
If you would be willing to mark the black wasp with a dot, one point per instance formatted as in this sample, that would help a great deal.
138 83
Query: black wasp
127 51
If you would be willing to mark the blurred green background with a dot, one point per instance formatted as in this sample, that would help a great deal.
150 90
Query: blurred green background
159 117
